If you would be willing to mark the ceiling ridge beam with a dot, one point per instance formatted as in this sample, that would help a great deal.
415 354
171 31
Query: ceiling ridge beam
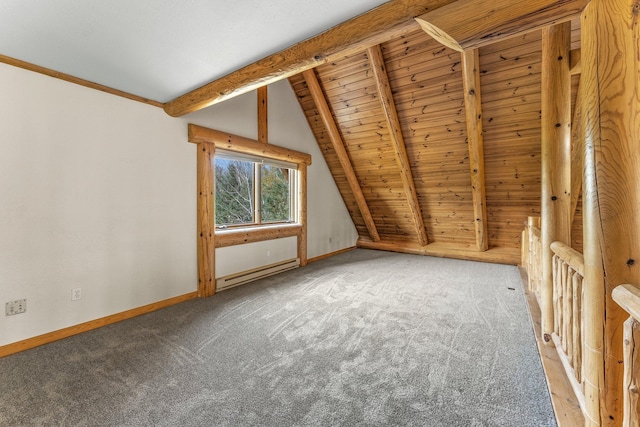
470 24
395 134
390 20
475 142
338 145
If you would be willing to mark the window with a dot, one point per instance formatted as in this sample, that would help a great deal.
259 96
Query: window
251 190
214 145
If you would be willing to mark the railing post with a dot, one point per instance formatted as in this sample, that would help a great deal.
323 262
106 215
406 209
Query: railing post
611 100
556 157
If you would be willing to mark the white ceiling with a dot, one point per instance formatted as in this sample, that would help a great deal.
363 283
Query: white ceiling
160 49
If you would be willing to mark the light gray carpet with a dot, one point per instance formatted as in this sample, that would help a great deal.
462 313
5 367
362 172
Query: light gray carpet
364 338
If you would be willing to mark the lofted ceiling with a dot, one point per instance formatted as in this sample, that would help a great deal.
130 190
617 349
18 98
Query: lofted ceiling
160 49
465 208
435 146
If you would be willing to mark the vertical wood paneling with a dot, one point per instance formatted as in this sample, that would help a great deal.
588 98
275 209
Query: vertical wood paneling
510 77
426 80
324 143
397 139
361 120
338 146
426 83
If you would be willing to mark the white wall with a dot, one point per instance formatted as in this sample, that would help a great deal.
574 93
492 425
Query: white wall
98 192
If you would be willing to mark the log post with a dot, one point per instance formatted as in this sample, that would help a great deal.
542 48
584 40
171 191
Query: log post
556 157
611 191
475 139
263 114
206 220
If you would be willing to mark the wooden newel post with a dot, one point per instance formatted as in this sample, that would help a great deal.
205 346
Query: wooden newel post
556 157
611 125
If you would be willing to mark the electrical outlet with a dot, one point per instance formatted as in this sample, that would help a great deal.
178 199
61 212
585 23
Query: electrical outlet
76 294
16 307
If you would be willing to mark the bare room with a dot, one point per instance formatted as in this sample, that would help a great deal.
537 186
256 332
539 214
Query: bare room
309 213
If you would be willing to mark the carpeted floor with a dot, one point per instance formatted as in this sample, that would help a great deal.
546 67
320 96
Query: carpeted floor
364 338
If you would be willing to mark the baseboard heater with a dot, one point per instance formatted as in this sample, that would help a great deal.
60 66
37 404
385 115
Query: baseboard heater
238 279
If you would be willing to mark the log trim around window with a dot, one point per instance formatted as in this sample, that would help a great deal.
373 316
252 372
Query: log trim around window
208 237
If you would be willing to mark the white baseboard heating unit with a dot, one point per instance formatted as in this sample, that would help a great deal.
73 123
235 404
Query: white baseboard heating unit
238 279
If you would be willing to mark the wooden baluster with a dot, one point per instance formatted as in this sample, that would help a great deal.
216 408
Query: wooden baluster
577 327
532 255
538 264
631 373
564 279
568 313
556 294
559 302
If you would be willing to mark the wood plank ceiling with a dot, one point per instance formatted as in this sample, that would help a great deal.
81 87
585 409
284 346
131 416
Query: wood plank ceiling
390 121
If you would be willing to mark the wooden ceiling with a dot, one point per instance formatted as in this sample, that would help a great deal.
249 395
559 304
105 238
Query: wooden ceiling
430 126
391 122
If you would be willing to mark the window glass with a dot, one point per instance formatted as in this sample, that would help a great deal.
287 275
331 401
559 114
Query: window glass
241 180
234 192
275 194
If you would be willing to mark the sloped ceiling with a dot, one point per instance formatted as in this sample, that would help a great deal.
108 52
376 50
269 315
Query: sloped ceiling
160 49
409 178
426 81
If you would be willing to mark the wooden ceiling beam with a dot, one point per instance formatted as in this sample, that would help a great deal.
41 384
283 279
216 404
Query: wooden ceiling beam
397 140
385 22
469 24
227 141
338 145
475 140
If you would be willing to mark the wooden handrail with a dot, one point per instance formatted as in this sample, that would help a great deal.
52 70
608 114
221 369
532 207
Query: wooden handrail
628 297
572 257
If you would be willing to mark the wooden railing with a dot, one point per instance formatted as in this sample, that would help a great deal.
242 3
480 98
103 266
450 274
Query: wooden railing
568 277
532 255
628 297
